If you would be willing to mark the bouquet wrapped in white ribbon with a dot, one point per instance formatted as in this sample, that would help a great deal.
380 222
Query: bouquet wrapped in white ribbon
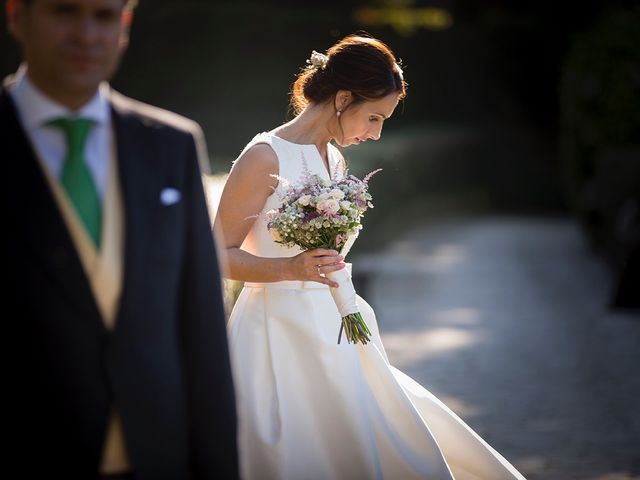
321 213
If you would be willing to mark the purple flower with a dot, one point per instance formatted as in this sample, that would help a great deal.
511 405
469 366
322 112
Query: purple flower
310 216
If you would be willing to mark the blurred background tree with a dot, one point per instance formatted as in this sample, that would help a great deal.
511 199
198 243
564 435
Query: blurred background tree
600 142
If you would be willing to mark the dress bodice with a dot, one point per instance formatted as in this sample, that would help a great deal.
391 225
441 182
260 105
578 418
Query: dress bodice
292 158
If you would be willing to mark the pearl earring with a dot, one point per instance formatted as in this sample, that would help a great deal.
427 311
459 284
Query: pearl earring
338 113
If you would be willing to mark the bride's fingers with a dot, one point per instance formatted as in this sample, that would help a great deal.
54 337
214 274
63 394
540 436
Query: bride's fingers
331 267
324 269
327 265
326 281
327 259
313 261
323 252
319 278
314 264
313 271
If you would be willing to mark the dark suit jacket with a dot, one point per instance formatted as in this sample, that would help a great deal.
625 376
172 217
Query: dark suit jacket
165 366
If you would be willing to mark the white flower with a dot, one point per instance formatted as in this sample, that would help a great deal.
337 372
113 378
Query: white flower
345 204
317 59
304 200
332 206
337 194
321 205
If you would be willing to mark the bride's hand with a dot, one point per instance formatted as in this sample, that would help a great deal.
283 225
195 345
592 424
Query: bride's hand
312 264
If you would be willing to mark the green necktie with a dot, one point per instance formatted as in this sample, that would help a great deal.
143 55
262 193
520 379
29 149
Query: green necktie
76 177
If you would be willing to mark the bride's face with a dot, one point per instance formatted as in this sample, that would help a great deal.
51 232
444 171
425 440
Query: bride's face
364 121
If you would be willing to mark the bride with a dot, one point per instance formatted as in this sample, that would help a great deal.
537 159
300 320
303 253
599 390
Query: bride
310 408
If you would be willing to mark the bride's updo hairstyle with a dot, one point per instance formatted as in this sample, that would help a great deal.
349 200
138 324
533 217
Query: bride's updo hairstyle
362 65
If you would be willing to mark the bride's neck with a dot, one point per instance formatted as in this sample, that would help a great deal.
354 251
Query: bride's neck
312 126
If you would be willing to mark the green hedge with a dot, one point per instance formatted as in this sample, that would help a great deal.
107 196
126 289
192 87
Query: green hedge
600 125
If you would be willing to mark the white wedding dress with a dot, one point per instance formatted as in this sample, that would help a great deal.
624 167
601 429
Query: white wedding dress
310 408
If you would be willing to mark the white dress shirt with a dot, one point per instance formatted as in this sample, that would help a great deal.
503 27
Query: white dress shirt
35 109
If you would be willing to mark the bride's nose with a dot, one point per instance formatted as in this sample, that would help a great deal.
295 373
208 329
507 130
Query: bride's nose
375 133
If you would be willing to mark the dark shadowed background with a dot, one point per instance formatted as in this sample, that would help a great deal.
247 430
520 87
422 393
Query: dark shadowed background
525 107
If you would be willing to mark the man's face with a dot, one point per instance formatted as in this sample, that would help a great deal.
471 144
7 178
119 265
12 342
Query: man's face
70 46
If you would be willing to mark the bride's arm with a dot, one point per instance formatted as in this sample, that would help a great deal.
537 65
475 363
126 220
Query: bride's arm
247 188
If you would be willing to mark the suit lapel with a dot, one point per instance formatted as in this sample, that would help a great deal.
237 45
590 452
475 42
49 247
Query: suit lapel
36 216
138 185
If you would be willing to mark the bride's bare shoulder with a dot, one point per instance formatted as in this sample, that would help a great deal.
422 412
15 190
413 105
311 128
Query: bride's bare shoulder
257 157
258 163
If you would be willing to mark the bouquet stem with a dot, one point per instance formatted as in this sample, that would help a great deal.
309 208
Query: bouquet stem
355 329
353 324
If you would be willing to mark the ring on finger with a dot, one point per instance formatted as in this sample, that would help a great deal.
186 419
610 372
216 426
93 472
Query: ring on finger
318 267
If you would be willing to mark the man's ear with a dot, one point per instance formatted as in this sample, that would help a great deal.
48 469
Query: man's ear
125 22
15 12
342 99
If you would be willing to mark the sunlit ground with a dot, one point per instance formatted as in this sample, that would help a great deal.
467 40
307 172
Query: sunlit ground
505 320
416 346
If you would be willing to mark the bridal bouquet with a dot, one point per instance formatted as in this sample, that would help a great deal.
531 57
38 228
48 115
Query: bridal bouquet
320 213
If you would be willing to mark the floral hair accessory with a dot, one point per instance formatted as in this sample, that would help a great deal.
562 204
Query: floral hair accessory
318 60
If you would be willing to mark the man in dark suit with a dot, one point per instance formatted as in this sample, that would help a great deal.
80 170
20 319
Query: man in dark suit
116 354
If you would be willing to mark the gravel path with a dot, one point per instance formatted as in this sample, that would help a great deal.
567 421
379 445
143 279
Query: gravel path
505 319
